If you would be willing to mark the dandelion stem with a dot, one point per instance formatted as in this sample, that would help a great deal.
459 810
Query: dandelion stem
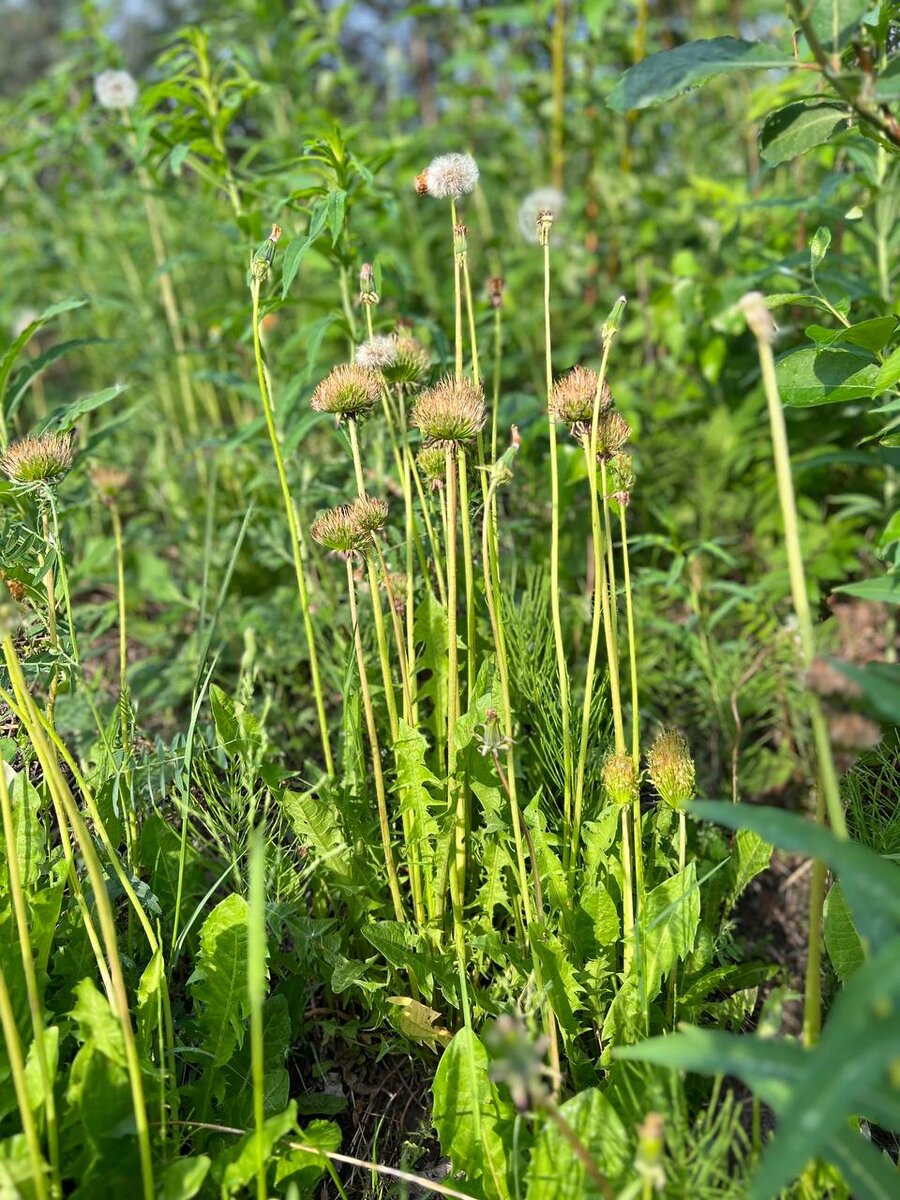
561 666
293 529
380 796
20 1086
635 714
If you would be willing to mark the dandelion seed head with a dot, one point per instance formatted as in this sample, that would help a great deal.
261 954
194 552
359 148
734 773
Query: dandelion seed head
620 780
542 200
448 177
411 364
115 89
671 768
347 391
572 396
622 474
451 412
41 461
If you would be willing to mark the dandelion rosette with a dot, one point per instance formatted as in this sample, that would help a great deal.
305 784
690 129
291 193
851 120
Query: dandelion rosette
542 200
572 396
347 391
671 768
452 412
620 780
38 462
448 177
115 89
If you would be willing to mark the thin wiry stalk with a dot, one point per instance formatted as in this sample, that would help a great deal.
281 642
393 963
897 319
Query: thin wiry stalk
256 989
635 711
293 530
469 574
372 730
562 669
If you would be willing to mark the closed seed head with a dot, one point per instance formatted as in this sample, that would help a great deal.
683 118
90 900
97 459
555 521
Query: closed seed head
449 176
613 431
534 205
621 470
347 391
671 768
368 514
451 411
336 530
411 363
572 396
620 781
33 462
433 465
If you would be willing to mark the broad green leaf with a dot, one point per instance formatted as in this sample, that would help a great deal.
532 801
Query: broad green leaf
671 72
219 982
889 372
304 1168
868 1171
880 686
808 377
413 779
487 1161
299 246
314 823
237 1106
841 939
30 836
61 420
870 884
183 1178
861 1036
8 360
887 86
750 856
798 127
883 590
148 1002
818 247
836 21
870 335
242 1157
669 922
555 1173
558 979
418 1021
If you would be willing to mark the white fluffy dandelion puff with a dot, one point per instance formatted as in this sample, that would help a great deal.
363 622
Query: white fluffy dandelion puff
378 352
449 176
115 89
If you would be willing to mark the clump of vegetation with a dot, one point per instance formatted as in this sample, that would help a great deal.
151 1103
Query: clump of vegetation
425 623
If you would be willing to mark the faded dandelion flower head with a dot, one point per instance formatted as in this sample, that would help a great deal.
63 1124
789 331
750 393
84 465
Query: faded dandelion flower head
109 482
613 431
759 318
572 396
378 352
41 461
115 89
541 200
671 768
432 463
449 176
347 391
620 780
337 531
450 412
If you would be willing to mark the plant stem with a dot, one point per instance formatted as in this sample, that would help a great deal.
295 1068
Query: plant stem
562 669
293 529
52 630
455 793
468 573
20 910
60 789
380 795
457 297
635 711
377 613
498 367
20 1086
627 892
256 987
